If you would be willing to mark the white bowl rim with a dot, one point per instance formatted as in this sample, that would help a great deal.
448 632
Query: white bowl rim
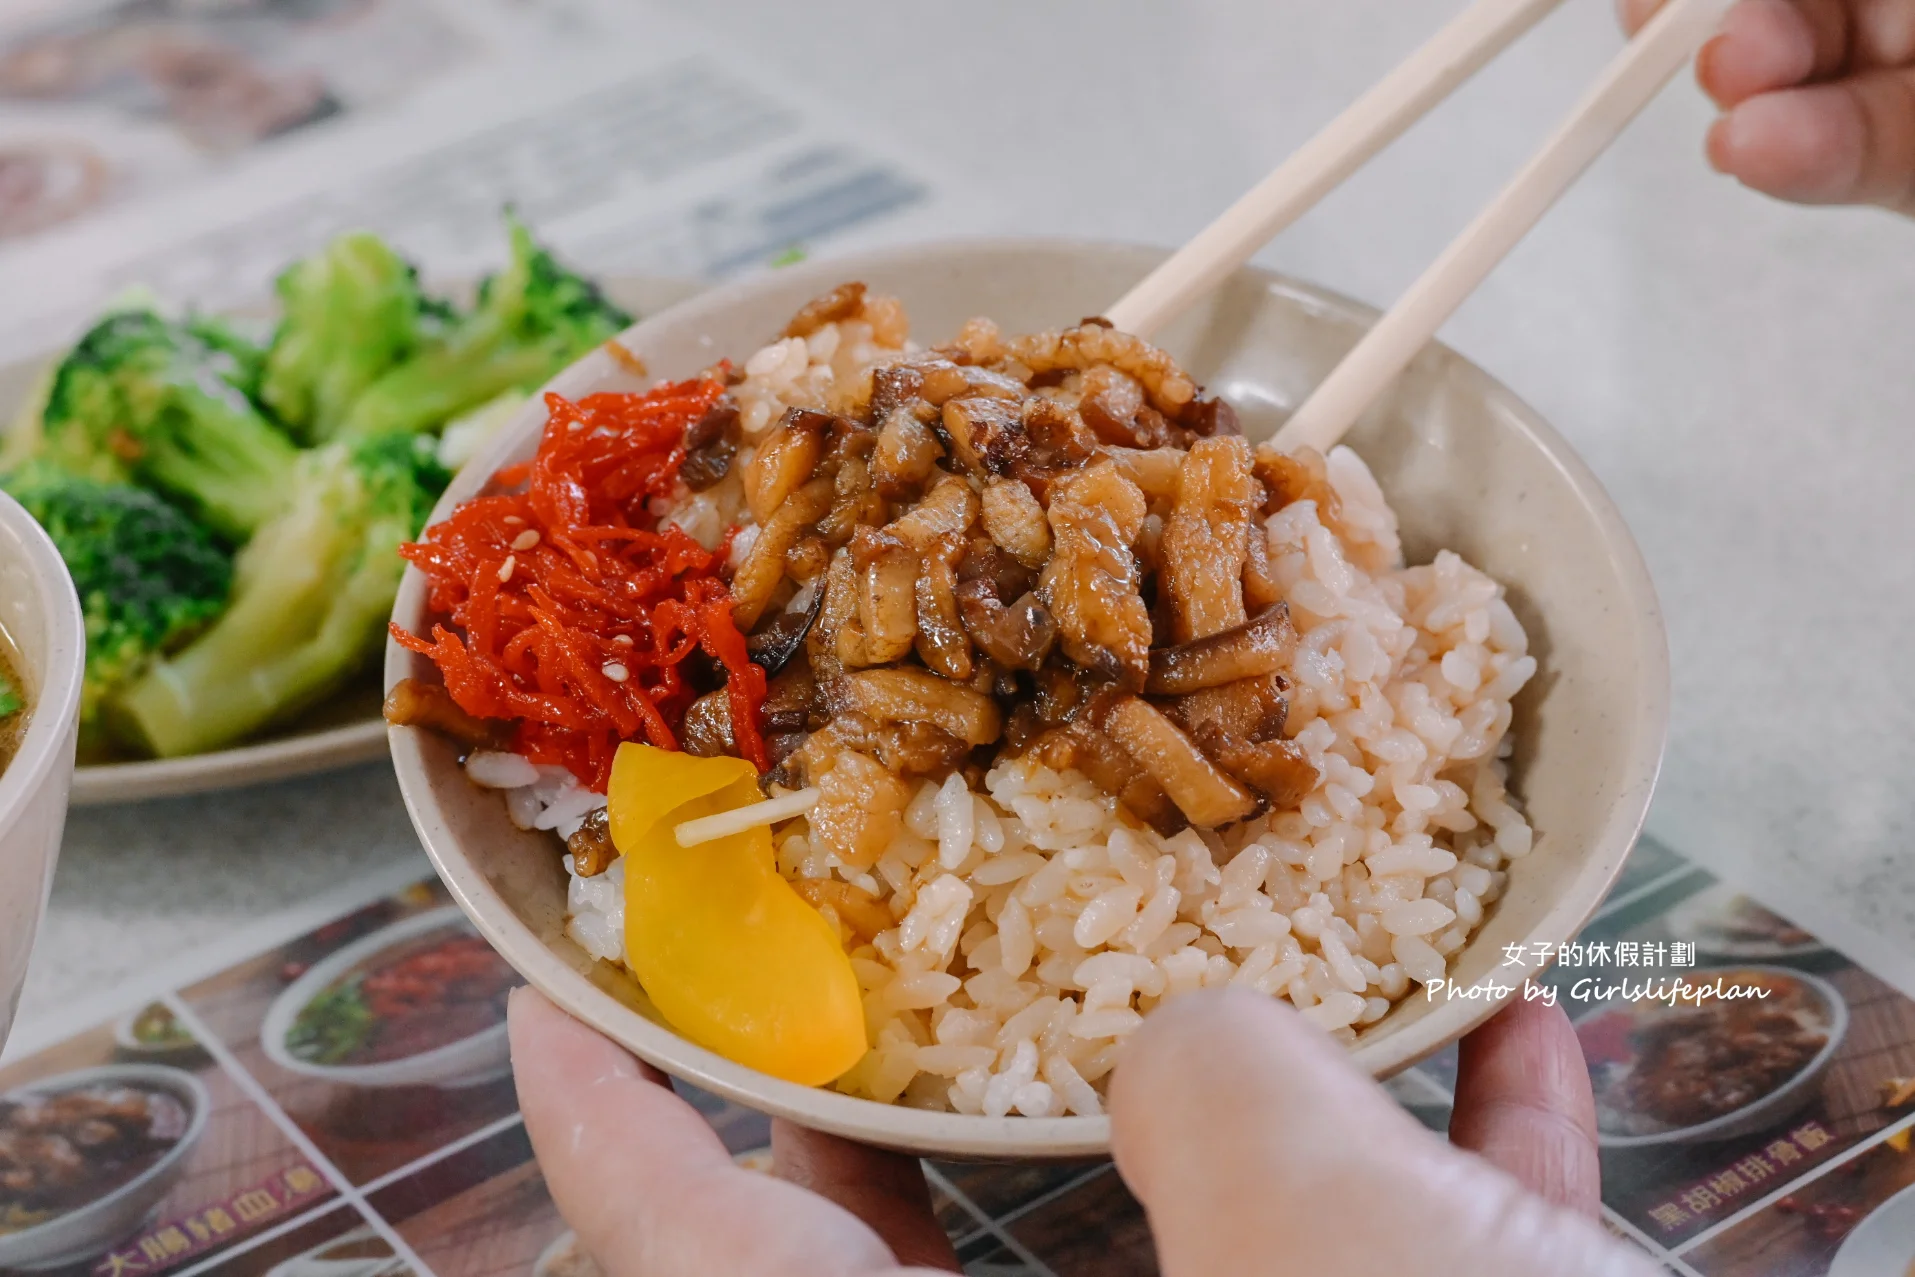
1703 1132
316 978
186 1086
307 1264
1899 1201
54 703
1050 1137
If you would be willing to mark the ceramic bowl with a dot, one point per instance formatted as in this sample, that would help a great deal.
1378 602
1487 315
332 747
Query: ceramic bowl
1770 1109
478 1057
1468 467
91 1230
41 617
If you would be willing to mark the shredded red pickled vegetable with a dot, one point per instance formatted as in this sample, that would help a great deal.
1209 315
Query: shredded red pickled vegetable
571 610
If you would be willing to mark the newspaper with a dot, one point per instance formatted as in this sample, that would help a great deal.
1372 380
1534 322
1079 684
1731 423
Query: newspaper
194 147
1778 1144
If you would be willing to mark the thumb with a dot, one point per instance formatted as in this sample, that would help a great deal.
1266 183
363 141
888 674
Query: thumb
1257 1147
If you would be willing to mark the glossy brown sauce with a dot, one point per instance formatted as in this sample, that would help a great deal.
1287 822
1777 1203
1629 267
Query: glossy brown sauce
59 1152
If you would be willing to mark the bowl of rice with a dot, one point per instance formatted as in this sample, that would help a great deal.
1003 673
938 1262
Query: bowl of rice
1065 697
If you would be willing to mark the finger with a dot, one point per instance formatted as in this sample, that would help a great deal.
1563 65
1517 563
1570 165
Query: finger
1846 36
1635 13
1248 1134
1843 35
1847 143
1764 45
646 1183
1523 1103
1831 33
1858 35
885 1190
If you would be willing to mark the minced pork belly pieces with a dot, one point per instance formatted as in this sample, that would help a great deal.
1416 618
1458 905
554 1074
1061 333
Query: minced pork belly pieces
1050 544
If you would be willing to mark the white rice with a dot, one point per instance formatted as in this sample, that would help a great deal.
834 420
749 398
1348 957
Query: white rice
536 797
1037 924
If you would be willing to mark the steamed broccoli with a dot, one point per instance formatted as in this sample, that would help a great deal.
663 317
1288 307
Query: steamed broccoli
311 594
226 337
146 399
350 313
148 577
531 320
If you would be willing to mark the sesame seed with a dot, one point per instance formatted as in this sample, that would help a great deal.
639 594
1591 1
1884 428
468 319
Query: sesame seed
616 672
525 540
622 640
512 520
505 568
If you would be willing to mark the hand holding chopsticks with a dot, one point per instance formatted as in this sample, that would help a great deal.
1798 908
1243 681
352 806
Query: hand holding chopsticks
1619 94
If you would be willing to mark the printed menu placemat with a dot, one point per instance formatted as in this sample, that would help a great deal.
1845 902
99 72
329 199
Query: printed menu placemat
341 1103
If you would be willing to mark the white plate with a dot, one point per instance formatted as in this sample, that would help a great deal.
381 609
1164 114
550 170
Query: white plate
484 1056
346 731
1883 1244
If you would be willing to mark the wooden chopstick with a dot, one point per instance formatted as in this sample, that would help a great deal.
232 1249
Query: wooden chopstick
1347 143
1625 87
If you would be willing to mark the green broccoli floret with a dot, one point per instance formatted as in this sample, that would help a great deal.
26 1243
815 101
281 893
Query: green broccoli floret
146 399
148 577
350 313
226 336
311 594
531 320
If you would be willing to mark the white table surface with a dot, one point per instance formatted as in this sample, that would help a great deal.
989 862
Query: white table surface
1738 373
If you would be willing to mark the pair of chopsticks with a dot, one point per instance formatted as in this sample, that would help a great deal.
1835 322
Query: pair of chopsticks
1456 53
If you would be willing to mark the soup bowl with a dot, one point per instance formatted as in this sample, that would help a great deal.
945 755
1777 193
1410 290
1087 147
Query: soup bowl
89 1230
460 1060
1468 467
41 616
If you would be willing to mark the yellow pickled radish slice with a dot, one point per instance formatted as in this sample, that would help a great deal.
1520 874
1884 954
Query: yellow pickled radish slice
731 955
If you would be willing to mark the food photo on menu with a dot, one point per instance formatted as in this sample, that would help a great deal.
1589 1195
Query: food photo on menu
104 102
616 664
